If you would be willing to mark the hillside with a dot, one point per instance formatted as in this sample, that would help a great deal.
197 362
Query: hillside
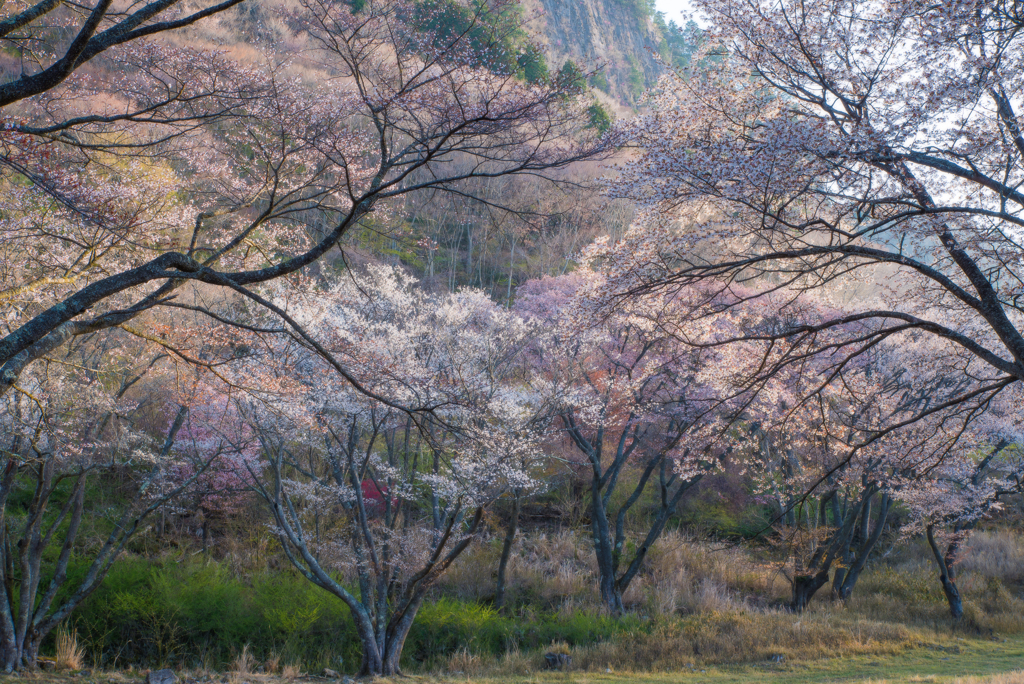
619 37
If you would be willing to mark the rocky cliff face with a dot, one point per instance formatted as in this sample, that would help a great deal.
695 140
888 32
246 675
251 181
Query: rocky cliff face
617 36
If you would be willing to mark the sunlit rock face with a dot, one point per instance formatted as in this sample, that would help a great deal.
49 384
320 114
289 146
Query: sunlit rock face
619 35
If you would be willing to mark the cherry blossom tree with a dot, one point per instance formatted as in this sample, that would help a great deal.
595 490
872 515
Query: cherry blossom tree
814 431
85 414
359 486
829 531
628 398
830 511
216 441
91 98
947 502
833 508
864 152
960 493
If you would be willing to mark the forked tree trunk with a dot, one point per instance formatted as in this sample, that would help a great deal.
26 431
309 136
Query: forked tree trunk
603 550
804 589
389 597
396 639
809 578
611 595
383 641
608 528
857 551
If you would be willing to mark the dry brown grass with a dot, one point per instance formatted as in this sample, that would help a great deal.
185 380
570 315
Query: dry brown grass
685 576
717 603
244 662
1016 677
682 575
68 655
708 639
716 638
556 568
907 587
998 554
464 662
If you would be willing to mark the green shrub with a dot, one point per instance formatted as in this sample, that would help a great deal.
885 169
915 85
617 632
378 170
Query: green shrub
600 119
600 81
446 626
199 613
533 65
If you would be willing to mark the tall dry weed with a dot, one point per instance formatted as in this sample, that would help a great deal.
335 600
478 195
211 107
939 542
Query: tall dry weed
464 662
555 568
719 603
244 662
69 655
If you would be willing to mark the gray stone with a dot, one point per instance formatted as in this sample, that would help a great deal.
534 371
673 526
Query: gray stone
558 661
162 677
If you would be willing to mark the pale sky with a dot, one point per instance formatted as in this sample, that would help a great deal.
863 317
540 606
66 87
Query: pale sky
673 10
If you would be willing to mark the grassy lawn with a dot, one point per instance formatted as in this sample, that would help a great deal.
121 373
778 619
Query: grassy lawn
967 658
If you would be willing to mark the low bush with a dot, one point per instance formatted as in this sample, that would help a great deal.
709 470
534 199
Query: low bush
200 614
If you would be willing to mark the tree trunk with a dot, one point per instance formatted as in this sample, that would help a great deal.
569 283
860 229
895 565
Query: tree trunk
611 596
30 654
9 654
372 663
24 656
506 550
845 590
396 637
804 588
837 583
390 667
846 578
956 604
946 576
